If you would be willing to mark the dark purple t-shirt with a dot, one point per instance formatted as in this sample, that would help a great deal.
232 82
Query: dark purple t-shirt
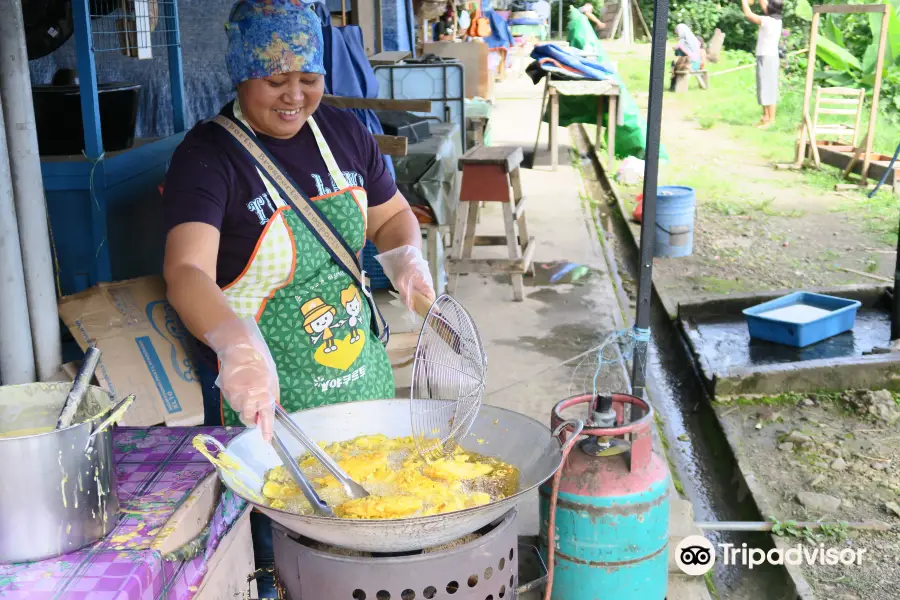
210 180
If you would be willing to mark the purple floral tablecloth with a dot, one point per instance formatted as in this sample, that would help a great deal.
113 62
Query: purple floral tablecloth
156 469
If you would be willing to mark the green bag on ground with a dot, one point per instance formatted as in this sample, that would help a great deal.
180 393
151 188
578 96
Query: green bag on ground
631 136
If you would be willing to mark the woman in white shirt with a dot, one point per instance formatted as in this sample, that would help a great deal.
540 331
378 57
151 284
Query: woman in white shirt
767 60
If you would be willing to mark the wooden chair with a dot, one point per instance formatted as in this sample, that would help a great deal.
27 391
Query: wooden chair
845 102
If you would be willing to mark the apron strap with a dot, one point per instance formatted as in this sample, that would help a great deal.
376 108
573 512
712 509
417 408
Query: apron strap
314 220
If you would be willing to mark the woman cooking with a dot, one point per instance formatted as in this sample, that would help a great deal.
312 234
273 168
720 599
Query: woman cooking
266 208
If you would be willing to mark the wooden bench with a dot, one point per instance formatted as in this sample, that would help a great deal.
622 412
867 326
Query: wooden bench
683 79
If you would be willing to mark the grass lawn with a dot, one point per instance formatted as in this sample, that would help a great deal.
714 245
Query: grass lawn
731 102
730 106
758 228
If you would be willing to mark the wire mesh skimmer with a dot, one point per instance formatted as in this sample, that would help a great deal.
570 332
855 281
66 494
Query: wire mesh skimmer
448 376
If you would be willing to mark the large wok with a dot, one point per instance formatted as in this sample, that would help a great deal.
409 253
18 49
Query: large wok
512 437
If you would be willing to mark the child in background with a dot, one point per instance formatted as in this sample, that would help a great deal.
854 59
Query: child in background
767 55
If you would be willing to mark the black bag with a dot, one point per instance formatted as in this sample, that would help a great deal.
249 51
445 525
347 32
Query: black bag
405 124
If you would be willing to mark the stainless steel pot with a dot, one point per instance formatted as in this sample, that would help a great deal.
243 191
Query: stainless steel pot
54 497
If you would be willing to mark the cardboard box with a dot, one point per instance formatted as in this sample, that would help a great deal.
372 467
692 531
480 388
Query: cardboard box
67 373
474 57
144 350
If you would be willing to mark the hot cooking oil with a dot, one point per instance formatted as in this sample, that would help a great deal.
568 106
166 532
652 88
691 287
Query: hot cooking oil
401 484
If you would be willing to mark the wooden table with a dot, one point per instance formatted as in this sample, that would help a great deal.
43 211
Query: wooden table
607 93
178 535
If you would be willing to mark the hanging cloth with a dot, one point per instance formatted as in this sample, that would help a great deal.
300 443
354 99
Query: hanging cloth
501 36
347 70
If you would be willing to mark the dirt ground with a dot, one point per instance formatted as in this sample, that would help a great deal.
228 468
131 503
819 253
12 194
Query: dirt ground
758 228
834 459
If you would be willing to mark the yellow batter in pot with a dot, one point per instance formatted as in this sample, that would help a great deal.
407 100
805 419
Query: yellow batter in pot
401 484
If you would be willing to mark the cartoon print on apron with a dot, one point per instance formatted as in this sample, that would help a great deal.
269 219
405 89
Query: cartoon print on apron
310 312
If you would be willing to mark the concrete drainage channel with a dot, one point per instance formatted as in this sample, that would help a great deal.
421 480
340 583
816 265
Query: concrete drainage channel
699 454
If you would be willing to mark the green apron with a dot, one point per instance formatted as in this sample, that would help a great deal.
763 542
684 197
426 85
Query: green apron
311 313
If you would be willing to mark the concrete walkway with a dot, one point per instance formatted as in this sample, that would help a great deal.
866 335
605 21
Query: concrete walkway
529 343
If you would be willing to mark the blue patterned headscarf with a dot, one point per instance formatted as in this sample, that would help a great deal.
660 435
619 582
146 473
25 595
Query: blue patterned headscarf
270 37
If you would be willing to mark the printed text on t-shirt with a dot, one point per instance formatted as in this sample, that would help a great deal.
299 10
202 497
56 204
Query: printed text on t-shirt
263 207
353 178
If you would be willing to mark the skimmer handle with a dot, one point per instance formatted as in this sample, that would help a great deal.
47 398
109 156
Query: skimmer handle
79 388
422 304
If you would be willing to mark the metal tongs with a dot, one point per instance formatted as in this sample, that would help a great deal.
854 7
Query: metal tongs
351 488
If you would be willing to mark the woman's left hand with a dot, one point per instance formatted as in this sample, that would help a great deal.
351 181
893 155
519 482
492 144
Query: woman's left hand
409 273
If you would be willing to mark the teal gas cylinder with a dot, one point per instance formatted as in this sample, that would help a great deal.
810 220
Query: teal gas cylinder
610 513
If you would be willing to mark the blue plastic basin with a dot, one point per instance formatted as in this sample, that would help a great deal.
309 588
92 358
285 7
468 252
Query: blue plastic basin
801 319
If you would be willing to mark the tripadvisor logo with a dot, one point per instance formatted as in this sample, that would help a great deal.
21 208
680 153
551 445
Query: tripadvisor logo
696 555
793 557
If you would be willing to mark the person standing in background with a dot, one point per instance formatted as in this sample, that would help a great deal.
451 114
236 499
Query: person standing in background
767 58
588 10
542 8
463 20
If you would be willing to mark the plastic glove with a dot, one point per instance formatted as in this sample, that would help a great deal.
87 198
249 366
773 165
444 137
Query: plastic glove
408 271
247 374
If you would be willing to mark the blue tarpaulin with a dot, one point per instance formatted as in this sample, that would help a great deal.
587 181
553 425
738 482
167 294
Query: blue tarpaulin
501 36
583 67
564 64
348 72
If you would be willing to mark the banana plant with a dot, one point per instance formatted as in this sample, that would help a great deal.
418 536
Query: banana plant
843 66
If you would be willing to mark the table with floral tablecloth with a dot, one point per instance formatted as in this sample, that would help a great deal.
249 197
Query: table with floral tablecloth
156 469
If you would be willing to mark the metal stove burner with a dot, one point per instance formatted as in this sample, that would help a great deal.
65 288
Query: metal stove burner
486 568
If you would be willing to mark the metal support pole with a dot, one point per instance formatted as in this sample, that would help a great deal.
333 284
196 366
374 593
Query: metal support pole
101 270
411 23
379 29
895 303
560 20
176 67
651 175
87 75
627 25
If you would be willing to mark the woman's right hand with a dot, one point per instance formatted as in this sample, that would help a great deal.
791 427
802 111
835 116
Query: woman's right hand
247 374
